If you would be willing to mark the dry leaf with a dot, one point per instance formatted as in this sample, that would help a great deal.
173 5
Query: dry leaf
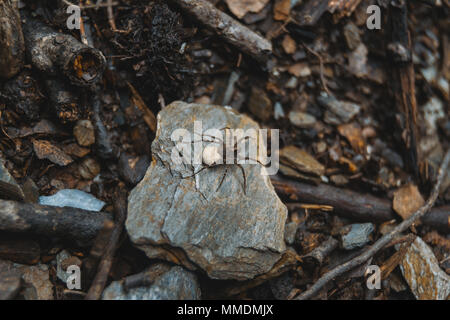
299 70
353 133
281 10
289 44
45 150
407 200
241 7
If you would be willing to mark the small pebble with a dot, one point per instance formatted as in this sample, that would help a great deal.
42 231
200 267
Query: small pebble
84 133
356 235
302 119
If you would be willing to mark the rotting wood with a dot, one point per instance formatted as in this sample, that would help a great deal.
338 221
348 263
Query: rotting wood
54 52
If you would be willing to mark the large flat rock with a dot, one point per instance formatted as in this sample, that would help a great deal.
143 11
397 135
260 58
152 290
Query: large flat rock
225 232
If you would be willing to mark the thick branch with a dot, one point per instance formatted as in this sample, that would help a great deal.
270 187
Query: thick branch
73 224
353 205
231 30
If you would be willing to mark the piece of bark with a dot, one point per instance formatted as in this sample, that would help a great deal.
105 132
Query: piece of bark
403 80
54 52
19 250
73 224
354 205
12 47
231 30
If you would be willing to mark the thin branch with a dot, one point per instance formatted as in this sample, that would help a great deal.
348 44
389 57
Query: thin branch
322 78
112 23
120 208
383 241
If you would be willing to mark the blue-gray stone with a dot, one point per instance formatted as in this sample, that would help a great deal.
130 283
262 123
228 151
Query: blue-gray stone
73 198
357 236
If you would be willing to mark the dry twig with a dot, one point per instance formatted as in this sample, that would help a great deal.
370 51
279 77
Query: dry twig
322 78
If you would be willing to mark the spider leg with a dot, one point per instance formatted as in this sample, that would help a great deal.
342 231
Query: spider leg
223 178
215 139
245 178
195 173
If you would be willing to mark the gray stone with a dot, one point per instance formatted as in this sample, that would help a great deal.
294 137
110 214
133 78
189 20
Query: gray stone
10 283
338 112
282 286
302 119
175 284
60 273
289 232
63 260
356 235
278 112
6 177
421 270
224 231
351 34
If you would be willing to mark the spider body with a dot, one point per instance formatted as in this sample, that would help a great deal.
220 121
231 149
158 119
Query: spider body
211 157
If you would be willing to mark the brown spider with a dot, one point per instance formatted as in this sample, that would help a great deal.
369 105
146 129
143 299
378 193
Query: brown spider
211 157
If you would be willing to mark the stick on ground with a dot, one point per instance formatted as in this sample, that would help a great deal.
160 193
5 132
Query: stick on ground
354 205
68 223
228 28
383 241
